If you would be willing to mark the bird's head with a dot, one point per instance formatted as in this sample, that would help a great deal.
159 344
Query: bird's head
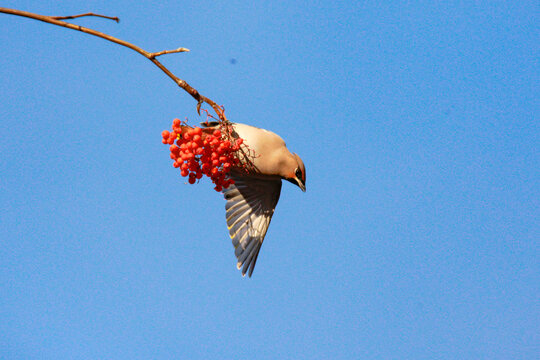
297 174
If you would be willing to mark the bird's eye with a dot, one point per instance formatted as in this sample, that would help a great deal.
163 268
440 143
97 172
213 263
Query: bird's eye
298 173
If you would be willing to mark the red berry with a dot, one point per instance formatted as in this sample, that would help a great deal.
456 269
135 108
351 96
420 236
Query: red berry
198 153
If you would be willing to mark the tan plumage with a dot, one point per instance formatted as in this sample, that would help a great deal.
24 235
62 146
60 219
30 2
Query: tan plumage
252 199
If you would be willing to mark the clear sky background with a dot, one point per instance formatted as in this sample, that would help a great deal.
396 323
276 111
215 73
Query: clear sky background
417 237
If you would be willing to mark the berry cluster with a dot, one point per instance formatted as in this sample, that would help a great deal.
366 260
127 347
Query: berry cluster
197 153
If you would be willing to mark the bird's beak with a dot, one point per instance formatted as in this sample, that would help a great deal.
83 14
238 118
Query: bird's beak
296 181
301 185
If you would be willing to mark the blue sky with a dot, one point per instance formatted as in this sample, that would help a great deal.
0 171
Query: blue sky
417 237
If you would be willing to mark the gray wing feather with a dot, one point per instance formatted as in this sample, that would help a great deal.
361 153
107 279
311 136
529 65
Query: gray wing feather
249 209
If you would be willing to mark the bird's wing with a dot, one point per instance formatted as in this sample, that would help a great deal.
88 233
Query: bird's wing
249 209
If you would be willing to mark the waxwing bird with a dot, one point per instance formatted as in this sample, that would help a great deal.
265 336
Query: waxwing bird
251 200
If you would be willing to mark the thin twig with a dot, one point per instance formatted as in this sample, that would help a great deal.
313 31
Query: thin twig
150 56
86 14
156 54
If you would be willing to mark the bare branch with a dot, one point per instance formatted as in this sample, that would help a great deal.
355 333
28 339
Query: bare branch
156 54
150 56
86 14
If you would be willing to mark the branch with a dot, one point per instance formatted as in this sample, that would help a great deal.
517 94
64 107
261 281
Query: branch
86 14
164 52
150 56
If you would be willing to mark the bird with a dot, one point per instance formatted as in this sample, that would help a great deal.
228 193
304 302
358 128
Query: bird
252 198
